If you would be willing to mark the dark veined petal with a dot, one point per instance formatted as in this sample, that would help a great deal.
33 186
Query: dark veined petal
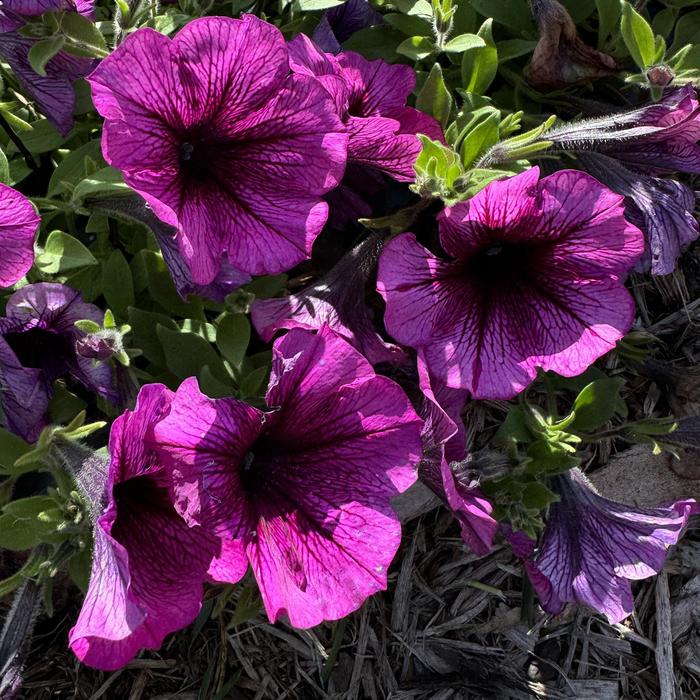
18 225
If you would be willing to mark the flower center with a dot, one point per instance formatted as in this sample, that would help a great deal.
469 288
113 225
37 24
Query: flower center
41 349
501 261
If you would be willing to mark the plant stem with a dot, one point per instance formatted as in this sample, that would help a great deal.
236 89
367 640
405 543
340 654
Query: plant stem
28 157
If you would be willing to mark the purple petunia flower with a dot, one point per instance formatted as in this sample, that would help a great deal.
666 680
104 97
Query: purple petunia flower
37 346
336 300
302 489
148 565
535 282
222 141
444 445
593 547
661 207
370 97
339 23
18 225
53 92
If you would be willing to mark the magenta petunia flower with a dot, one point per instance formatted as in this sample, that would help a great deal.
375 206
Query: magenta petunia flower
18 226
535 281
53 93
661 137
148 565
371 100
339 23
592 547
303 488
444 448
222 141
38 340
336 300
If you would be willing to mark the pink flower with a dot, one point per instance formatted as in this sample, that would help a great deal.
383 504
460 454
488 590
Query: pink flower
301 490
18 226
222 141
535 281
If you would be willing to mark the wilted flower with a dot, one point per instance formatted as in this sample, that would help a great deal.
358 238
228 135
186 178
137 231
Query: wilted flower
53 92
339 23
18 225
222 141
336 300
561 58
302 489
592 547
370 97
536 282
37 346
444 446
148 565
664 209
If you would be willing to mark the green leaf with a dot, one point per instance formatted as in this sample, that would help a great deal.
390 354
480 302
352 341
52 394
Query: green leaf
480 139
75 167
514 14
64 405
479 67
514 48
687 31
43 51
162 289
463 42
597 404
252 385
315 5
434 98
410 25
5 177
63 253
117 285
20 526
106 181
638 36
28 570
233 337
79 566
422 8
143 333
42 138
513 429
213 387
416 48
537 496
186 353
547 457
375 42
11 449
85 39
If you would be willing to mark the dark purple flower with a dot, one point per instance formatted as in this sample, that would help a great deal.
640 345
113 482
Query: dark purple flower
53 92
302 490
100 345
444 446
661 137
18 225
148 564
222 141
592 547
37 346
535 281
336 300
339 23
664 209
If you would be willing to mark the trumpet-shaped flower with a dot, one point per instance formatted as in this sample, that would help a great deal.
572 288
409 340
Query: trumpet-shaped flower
535 281
222 141
18 225
148 565
592 547
336 300
38 340
303 488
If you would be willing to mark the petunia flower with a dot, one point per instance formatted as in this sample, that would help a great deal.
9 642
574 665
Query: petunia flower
658 138
18 226
444 447
37 346
593 547
370 97
53 92
535 281
339 23
302 489
660 207
222 141
336 300
148 565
